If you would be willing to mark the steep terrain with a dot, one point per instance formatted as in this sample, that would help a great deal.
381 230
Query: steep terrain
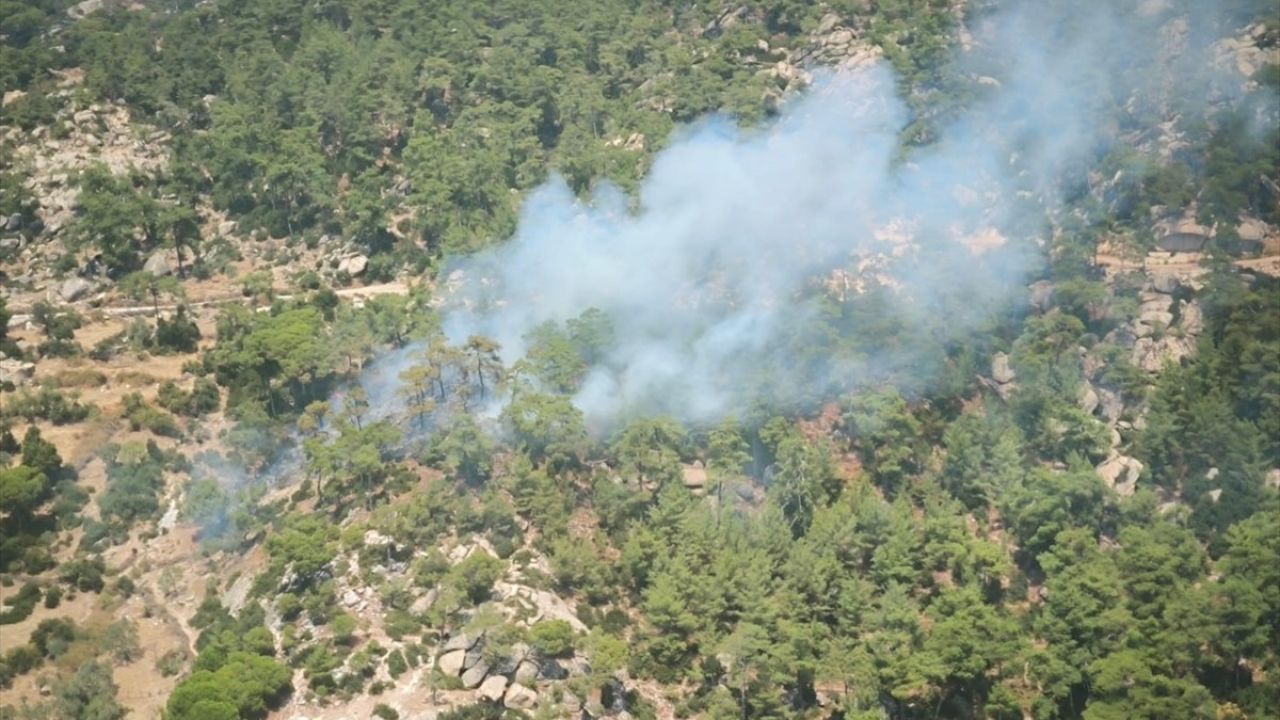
305 416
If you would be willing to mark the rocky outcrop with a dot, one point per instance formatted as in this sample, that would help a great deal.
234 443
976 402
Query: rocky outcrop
74 289
493 688
1001 371
1121 474
160 263
451 663
519 697
475 673
14 371
694 477
353 265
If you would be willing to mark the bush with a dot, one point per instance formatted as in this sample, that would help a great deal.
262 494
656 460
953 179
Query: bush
52 636
142 416
53 597
178 334
84 574
553 638
344 628
21 605
386 712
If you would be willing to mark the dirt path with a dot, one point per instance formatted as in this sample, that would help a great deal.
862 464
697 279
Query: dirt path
23 315
1189 264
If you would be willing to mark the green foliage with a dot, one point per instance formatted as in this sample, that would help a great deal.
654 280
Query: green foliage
303 547
246 684
553 638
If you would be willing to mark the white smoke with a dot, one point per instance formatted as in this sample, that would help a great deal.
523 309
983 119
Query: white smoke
709 273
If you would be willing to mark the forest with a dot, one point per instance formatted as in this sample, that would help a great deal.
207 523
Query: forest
341 497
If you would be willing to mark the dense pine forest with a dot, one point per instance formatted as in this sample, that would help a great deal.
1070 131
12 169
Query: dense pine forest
856 359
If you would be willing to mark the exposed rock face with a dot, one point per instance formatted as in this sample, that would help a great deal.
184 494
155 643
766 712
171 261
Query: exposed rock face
353 265
475 675
74 288
15 371
694 476
542 604
1001 371
451 662
526 672
493 689
519 697
159 264
1088 398
1041 295
1121 474
1151 355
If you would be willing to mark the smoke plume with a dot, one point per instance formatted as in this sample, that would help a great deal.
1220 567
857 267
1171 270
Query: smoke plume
738 239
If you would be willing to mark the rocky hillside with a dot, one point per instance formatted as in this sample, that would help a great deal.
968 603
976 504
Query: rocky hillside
251 468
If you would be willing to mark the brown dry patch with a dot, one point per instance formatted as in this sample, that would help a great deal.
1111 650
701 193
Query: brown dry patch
79 609
79 443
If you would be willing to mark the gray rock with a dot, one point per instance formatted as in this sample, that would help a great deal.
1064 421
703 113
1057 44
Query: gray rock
158 264
74 288
1121 474
493 689
1164 283
526 672
13 223
461 641
1088 398
451 662
552 670
474 657
15 371
10 244
353 265
1001 371
472 677
1041 295
1191 317
518 696
1111 404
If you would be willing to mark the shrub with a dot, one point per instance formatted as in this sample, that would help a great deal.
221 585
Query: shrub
553 638
21 605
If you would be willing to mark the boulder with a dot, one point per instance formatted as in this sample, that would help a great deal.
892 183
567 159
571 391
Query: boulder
15 371
1088 398
13 223
1191 317
451 662
1041 295
493 689
1121 474
695 475
353 265
552 670
73 289
461 641
1001 371
476 674
1165 283
1111 403
526 672
158 264
518 696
